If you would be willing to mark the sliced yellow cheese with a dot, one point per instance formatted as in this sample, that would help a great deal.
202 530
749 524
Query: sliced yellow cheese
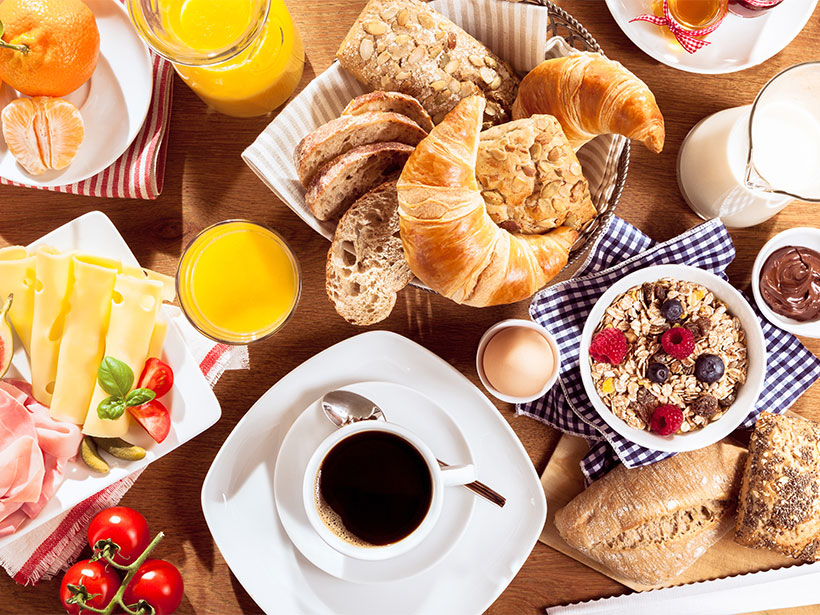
83 342
158 337
134 308
51 289
17 275
169 292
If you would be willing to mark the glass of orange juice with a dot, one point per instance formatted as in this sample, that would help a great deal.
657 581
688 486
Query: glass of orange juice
238 282
242 57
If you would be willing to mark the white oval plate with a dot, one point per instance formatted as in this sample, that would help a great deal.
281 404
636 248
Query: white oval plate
738 42
747 394
113 103
804 236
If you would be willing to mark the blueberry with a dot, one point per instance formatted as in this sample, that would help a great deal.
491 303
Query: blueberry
672 310
657 372
709 368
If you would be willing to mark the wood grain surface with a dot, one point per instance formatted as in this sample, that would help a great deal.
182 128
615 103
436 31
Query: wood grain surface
206 181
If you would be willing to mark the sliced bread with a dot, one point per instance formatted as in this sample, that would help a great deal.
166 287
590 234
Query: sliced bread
344 133
366 265
344 179
394 102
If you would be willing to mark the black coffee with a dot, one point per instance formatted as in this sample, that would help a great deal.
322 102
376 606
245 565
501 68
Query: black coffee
374 488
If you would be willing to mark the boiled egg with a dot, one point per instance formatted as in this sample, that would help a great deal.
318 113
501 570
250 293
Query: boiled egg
518 362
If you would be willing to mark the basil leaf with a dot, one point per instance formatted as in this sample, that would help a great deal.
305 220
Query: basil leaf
138 397
115 377
111 408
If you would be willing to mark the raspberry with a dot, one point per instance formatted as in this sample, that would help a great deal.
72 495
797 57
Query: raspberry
678 342
609 346
666 420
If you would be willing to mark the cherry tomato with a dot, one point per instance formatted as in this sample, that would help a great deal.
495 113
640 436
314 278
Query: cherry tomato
157 376
154 417
126 527
159 584
97 578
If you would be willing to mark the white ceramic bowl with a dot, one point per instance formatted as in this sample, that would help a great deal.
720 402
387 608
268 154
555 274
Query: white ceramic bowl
747 394
806 237
527 324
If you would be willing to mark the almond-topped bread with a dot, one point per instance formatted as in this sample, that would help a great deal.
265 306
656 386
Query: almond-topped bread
347 177
394 102
366 265
344 133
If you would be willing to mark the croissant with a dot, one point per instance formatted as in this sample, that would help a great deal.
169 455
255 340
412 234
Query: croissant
591 95
450 241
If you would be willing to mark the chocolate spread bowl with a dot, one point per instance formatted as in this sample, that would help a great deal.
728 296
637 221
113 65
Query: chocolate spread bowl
780 286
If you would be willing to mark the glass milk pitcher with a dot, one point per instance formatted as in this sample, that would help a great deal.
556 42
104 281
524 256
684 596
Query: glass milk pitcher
747 163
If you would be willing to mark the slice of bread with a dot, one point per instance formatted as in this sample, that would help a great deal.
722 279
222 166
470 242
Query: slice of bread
394 102
366 265
344 133
344 179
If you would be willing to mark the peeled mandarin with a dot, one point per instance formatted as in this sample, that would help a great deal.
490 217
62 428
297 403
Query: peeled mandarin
518 362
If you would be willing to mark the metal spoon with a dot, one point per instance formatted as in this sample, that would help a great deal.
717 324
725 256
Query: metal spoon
345 407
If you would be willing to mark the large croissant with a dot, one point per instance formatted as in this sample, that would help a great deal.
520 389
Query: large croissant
450 241
591 95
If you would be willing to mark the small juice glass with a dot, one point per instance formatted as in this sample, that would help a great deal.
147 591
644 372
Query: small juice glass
238 282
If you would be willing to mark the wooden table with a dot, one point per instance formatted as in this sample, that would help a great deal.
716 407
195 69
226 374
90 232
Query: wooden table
206 181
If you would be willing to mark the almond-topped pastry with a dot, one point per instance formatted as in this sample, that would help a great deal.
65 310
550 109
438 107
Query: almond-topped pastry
780 496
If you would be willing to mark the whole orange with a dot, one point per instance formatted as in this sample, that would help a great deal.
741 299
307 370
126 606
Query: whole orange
48 47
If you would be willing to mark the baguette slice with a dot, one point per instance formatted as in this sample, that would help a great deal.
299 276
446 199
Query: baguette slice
394 102
366 265
343 180
344 133
649 524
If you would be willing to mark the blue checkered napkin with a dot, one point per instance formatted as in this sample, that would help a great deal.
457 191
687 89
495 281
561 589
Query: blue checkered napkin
562 309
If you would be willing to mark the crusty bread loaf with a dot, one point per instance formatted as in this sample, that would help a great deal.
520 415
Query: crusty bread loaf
366 265
344 179
344 133
649 524
406 46
394 102
779 505
530 177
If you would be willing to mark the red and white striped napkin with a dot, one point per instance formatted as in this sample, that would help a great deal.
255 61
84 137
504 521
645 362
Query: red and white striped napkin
44 552
139 173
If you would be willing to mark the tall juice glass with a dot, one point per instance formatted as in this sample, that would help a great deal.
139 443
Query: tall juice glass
242 57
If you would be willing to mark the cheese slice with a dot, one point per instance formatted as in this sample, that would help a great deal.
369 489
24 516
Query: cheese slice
83 342
51 289
169 292
17 275
134 308
158 337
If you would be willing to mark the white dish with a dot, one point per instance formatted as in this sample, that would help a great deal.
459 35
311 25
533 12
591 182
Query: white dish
193 406
737 44
804 236
748 392
238 492
402 406
113 103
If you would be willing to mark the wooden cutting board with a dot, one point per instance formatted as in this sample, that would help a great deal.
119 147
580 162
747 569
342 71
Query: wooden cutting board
563 480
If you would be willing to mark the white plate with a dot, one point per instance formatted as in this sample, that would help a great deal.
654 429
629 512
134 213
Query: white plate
804 236
738 42
113 103
238 492
747 394
407 408
193 406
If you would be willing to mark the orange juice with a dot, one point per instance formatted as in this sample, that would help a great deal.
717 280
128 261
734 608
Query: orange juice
238 282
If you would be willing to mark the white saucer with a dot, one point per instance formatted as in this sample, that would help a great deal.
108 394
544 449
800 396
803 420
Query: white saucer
404 407
113 103
737 44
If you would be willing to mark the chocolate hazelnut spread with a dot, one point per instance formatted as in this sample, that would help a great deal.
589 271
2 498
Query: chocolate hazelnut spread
790 283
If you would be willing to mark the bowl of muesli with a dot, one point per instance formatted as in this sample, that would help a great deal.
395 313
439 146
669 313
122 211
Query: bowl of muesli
673 357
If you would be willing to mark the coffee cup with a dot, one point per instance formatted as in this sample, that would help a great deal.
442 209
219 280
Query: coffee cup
379 487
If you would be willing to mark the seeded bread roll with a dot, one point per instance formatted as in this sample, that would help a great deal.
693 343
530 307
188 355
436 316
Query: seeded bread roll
780 497
394 102
649 524
406 46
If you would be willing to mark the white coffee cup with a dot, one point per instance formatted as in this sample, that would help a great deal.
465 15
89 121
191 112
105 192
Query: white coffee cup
440 478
